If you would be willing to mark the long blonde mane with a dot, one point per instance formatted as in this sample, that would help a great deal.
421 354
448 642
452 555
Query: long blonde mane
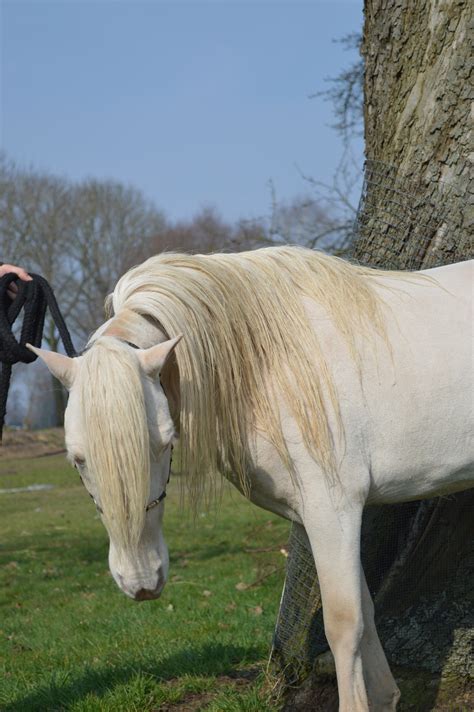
116 435
247 341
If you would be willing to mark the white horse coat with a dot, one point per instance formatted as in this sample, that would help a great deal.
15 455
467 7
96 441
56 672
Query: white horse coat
408 421
402 430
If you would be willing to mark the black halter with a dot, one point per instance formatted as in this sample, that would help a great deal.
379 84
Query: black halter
150 505
160 498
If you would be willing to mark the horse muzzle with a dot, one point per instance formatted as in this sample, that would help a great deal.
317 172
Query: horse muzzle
141 590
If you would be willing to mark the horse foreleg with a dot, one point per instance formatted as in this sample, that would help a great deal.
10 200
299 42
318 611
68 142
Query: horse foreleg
335 542
381 687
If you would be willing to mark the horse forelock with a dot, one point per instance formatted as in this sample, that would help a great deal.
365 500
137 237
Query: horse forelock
114 419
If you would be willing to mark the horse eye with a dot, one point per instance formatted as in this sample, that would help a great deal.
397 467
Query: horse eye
99 509
79 463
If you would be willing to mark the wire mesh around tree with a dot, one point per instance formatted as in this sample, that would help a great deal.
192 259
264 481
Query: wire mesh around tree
398 227
299 633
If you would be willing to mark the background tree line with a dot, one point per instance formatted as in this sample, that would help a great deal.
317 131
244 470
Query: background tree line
82 236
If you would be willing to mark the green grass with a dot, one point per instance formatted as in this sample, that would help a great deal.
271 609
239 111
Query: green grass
70 640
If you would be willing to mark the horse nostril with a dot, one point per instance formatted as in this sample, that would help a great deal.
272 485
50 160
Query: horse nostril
145 595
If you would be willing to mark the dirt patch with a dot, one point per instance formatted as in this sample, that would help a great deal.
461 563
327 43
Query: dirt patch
310 699
31 443
189 703
195 701
323 697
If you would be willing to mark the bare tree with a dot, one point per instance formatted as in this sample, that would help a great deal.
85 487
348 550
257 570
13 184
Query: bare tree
249 234
114 227
205 232
35 229
322 220
324 217
346 91
208 232
81 238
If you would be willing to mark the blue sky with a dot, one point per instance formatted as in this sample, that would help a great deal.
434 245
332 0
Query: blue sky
193 102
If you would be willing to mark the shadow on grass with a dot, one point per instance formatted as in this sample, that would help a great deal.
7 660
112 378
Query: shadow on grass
70 546
212 551
56 548
208 660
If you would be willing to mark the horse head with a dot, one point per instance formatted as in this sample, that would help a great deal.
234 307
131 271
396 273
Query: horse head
119 436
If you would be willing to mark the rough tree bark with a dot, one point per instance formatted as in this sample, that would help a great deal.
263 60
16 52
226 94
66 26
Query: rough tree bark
416 212
418 94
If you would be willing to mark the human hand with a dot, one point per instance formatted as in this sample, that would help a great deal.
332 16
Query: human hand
13 287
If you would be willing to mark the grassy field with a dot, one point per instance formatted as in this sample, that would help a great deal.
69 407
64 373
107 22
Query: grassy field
70 640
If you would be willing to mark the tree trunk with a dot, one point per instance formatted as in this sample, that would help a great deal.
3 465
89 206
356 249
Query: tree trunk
418 93
415 212
59 402
59 393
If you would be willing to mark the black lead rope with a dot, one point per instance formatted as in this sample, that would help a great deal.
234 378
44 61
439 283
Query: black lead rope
33 298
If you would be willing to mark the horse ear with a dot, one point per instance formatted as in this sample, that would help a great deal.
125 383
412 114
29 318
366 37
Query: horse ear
61 366
153 359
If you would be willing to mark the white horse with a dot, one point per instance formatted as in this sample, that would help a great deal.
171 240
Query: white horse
316 386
